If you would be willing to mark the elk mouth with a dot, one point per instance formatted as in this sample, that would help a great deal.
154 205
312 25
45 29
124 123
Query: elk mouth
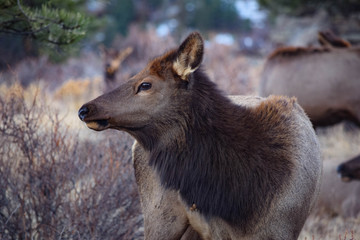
102 124
98 125
344 174
345 178
348 177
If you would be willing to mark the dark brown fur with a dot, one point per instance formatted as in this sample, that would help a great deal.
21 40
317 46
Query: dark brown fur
329 39
291 52
215 129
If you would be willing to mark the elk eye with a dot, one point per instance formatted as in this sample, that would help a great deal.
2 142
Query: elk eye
144 86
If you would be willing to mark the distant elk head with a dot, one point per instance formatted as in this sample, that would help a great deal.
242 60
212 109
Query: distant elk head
329 39
113 59
350 170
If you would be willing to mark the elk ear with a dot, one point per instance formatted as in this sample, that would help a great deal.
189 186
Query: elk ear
189 55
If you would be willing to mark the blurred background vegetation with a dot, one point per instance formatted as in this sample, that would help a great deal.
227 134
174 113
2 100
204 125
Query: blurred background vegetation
309 7
60 27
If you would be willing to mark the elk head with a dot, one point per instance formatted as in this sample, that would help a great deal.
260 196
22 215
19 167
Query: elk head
151 100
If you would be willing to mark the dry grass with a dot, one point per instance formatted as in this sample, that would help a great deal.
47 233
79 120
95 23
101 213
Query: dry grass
340 142
76 92
327 227
55 185
332 217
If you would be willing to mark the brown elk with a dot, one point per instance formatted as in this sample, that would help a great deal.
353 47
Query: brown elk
350 170
337 198
325 80
207 166
329 39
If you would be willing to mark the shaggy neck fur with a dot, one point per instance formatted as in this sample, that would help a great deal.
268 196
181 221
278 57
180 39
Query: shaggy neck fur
220 157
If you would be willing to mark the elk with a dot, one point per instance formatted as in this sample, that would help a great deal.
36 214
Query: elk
337 198
323 79
329 39
350 170
113 59
208 166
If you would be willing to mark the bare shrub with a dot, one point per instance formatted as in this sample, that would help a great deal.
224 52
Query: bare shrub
235 72
145 45
74 92
54 186
232 71
326 227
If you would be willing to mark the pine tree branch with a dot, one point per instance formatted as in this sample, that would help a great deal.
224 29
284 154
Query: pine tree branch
11 30
62 28
65 27
23 12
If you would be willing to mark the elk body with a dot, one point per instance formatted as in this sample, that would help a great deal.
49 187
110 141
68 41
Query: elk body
207 166
324 80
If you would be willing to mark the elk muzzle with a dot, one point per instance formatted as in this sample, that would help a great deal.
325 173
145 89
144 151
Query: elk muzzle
348 173
95 124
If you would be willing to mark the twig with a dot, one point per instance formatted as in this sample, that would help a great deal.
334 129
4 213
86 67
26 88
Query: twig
61 233
12 214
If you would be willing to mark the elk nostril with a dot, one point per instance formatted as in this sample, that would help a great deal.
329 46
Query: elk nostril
83 111
340 168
